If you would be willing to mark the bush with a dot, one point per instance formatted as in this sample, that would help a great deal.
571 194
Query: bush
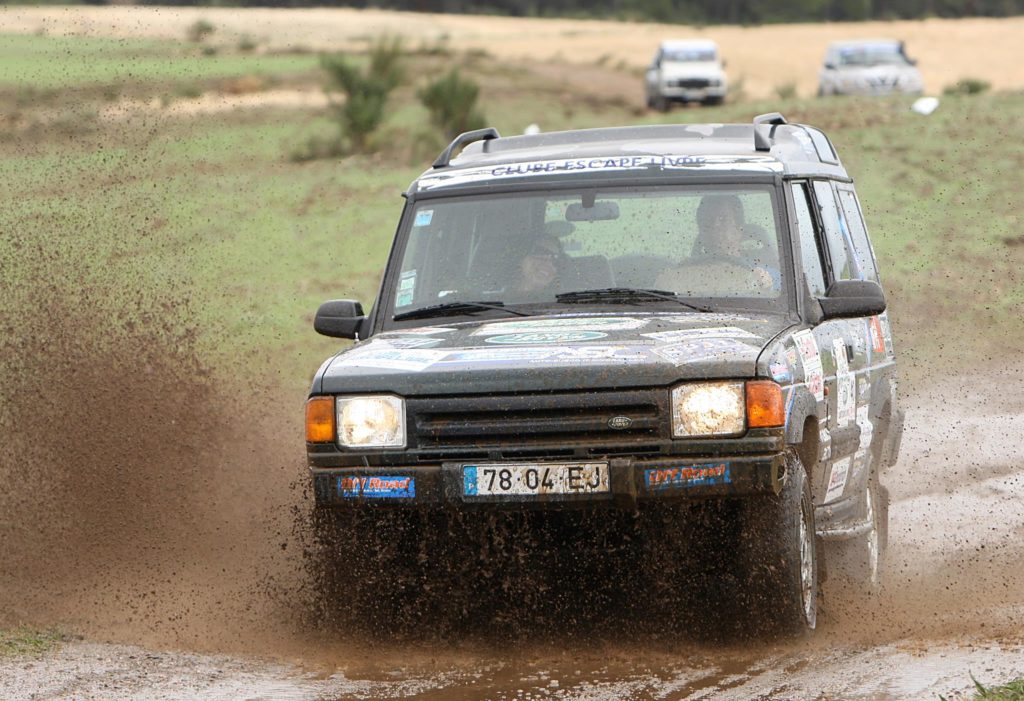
200 30
247 44
786 91
451 101
968 86
366 92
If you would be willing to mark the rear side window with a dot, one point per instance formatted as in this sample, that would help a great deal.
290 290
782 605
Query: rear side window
837 236
858 232
810 252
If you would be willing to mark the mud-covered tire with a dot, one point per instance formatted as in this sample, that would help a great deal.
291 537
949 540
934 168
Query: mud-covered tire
859 562
660 104
778 558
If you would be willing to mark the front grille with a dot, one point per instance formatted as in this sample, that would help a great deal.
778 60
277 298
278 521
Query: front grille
692 83
522 422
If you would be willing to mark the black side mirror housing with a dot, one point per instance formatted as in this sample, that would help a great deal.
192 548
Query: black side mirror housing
340 318
852 298
830 66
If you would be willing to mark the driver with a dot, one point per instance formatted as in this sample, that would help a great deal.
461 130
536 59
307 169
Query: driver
541 267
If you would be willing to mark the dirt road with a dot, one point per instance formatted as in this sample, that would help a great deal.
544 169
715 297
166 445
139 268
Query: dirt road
953 607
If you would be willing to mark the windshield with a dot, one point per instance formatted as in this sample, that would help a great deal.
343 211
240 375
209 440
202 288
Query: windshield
687 55
873 55
709 248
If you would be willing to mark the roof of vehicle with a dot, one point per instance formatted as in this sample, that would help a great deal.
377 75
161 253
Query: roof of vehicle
688 44
635 151
857 43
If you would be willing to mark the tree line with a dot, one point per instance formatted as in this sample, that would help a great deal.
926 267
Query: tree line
680 11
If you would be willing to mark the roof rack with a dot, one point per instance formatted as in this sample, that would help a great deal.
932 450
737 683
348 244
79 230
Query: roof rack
763 142
485 134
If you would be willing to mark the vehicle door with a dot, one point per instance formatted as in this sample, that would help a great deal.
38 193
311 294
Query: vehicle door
845 349
815 348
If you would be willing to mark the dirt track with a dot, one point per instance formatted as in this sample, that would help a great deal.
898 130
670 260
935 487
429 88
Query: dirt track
948 50
952 607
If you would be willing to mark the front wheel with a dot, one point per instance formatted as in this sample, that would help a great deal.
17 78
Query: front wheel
779 560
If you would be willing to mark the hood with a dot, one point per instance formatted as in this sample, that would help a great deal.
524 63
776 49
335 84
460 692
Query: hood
553 353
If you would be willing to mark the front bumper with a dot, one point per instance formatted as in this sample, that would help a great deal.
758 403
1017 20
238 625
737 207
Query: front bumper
693 94
630 480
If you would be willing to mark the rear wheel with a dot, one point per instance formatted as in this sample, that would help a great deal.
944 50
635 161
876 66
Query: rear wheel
859 562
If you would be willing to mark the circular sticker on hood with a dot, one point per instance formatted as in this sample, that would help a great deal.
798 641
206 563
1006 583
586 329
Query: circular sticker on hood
538 337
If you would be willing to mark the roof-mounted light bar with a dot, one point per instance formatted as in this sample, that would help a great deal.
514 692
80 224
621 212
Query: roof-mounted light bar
464 139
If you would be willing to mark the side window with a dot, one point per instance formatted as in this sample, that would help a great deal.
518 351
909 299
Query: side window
843 264
858 232
810 253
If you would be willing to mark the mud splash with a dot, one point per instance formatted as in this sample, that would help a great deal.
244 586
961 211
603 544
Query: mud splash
143 497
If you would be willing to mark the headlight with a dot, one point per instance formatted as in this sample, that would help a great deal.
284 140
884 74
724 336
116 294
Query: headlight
371 422
708 409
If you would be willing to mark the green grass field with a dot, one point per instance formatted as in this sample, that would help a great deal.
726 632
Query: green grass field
207 219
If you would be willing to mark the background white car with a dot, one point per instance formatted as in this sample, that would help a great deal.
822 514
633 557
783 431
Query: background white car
686 71
868 67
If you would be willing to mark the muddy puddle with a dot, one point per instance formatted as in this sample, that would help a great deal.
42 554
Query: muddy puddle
158 509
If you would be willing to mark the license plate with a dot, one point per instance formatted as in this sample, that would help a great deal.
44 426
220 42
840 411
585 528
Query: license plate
534 479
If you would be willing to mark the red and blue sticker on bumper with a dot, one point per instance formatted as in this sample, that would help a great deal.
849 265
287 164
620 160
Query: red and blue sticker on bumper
684 477
378 487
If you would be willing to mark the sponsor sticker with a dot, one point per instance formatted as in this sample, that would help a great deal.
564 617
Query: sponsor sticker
424 217
700 349
875 331
846 401
808 350
780 372
837 479
663 478
825 440
686 334
544 337
390 487
410 342
406 288
410 359
553 325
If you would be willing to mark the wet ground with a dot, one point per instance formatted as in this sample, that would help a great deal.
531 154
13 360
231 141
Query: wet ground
953 607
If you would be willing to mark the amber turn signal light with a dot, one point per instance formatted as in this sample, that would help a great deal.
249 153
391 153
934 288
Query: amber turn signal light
320 420
764 404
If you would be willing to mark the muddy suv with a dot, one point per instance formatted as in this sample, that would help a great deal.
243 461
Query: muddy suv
615 319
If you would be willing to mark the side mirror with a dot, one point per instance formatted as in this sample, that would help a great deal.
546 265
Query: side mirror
852 298
339 318
830 66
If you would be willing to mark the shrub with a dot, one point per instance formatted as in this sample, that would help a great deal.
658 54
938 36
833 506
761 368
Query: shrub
967 86
451 101
200 30
366 91
786 91
247 44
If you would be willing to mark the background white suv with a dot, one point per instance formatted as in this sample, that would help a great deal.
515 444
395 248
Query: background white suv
686 71
868 67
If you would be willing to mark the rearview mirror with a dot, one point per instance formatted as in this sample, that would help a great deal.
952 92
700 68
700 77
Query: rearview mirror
339 318
598 211
852 298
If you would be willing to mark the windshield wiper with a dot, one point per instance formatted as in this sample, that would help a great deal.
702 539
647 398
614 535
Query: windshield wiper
627 294
453 308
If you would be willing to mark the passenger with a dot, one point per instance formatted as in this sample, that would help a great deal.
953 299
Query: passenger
722 230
